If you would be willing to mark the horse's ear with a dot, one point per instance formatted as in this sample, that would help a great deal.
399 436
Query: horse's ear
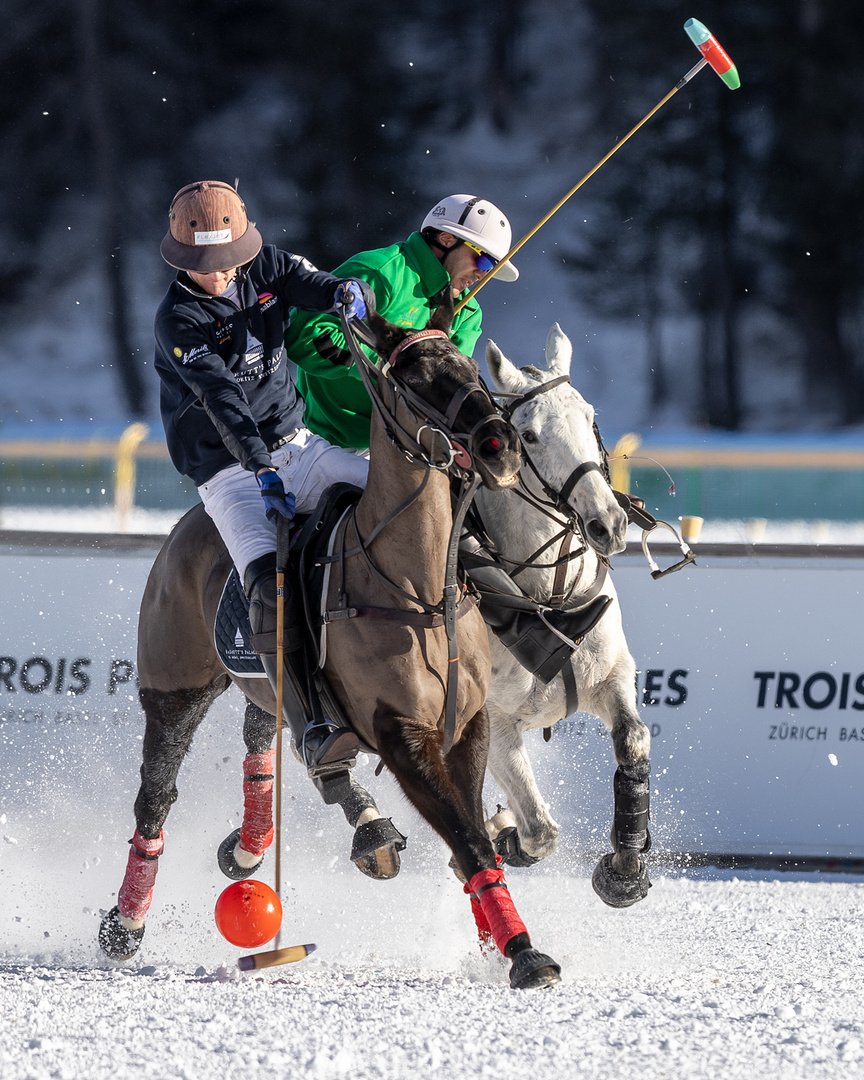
442 316
559 351
385 335
505 375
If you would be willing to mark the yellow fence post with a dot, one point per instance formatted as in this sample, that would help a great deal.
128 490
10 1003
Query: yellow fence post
618 466
124 474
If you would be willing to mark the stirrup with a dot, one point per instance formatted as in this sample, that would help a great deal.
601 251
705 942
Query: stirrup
656 572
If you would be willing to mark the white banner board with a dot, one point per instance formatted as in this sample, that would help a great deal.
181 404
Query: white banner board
752 683
750 678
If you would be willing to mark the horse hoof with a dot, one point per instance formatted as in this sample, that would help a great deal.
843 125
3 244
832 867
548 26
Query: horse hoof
619 890
115 940
376 848
509 847
228 862
532 969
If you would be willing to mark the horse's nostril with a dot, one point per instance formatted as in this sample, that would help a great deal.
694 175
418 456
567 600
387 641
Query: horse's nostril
597 529
491 447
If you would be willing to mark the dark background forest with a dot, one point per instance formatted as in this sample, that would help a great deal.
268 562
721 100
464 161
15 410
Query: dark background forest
710 274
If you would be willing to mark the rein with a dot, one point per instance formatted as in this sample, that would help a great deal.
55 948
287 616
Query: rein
573 527
455 601
556 508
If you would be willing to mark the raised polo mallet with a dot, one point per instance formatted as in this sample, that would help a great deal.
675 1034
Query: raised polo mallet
713 53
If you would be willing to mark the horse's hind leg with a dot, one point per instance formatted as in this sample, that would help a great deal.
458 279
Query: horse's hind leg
448 793
172 718
241 852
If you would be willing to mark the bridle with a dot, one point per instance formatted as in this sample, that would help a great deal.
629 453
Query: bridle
574 527
556 505
389 396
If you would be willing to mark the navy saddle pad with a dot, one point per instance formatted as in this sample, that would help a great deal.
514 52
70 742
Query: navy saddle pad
232 632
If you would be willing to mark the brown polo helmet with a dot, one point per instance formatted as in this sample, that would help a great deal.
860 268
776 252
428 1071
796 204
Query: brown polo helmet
208 229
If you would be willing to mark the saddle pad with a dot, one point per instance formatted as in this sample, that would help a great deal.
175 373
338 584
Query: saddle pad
231 632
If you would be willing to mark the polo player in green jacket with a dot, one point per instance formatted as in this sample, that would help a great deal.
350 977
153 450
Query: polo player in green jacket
461 238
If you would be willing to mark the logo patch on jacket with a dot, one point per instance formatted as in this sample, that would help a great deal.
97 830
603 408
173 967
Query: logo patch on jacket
191 356
266 300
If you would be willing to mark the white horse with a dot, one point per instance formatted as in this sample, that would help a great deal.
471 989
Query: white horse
557 531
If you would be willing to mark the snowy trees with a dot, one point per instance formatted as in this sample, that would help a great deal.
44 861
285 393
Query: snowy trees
737 209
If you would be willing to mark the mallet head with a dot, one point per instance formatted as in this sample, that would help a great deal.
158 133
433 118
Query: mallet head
713 52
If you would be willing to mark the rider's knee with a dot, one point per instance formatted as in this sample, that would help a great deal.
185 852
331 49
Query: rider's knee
259 584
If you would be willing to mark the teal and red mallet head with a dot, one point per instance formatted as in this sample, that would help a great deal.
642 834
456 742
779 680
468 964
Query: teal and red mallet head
713 52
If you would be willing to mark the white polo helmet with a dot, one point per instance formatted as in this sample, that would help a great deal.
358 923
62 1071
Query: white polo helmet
480 222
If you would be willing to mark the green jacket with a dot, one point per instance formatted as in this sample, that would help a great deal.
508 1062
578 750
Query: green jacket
405 277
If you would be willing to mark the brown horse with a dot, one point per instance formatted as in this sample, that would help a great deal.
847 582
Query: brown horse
394 613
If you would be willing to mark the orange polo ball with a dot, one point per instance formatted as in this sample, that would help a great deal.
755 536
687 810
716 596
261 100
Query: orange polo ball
248 913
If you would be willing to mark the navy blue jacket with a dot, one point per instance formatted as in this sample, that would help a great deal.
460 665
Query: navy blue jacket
227 393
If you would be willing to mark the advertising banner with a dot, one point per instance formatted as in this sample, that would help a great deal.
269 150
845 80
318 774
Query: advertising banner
751 681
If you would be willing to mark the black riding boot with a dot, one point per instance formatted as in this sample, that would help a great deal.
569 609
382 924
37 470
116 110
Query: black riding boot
324 747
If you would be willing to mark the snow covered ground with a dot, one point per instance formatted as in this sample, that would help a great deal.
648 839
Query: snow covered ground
714 977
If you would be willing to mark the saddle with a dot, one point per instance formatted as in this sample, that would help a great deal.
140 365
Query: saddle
308 573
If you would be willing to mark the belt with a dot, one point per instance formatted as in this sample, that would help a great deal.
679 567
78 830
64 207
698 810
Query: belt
282 441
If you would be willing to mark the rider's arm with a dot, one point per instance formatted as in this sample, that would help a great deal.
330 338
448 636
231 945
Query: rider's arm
315 342
188 348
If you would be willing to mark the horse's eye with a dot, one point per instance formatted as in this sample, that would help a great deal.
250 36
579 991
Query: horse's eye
528 436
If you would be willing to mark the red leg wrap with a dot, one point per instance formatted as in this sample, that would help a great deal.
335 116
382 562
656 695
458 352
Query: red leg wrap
136 892
483 930
256 832
502 918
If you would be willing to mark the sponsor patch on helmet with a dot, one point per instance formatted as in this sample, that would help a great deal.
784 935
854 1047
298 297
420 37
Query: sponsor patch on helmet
217 236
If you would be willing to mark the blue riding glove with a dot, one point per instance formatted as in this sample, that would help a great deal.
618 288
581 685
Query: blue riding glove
276 500
349 295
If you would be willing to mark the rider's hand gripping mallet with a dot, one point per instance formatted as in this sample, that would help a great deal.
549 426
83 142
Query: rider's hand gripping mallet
293 953
713 53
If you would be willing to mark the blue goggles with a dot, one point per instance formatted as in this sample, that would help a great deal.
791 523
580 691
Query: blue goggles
484 262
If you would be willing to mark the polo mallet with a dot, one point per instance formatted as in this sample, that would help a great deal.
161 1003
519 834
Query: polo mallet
713 53
277 956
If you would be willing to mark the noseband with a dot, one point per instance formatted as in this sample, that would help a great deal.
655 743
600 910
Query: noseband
459 446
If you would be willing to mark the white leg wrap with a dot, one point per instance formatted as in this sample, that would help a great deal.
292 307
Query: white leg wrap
245 858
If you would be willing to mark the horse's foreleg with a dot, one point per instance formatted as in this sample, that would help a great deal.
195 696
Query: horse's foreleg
621 877
448 794
532 833
172 717
377 841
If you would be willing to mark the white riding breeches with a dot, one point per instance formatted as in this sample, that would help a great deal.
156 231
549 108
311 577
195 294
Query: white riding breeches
307 465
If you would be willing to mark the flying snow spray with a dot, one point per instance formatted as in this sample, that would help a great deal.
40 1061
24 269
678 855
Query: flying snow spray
713 54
